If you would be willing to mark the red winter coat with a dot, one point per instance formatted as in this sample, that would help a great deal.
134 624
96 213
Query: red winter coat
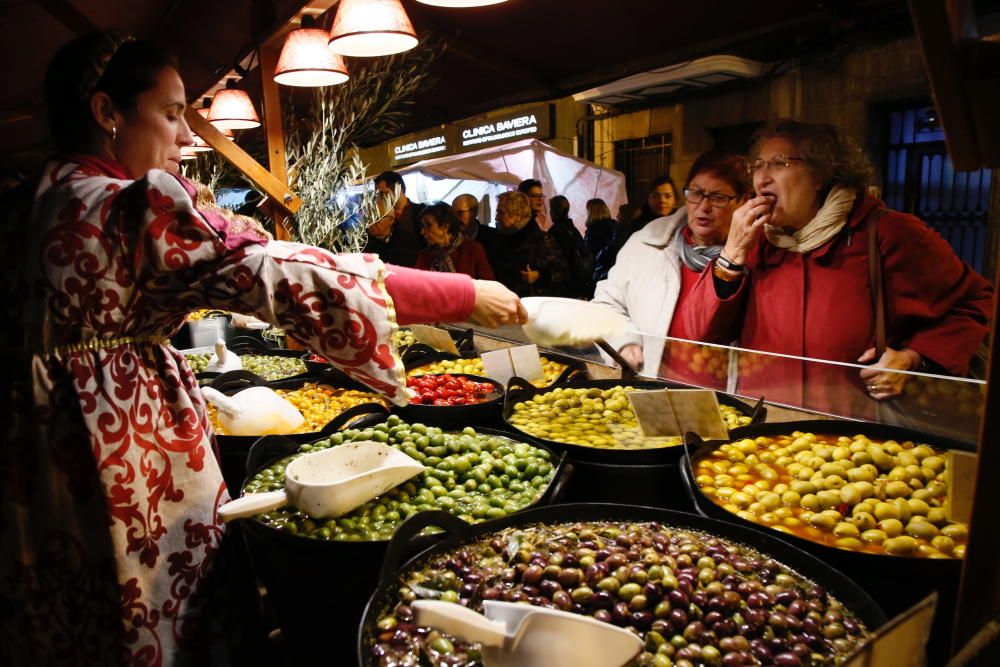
819 305
469 258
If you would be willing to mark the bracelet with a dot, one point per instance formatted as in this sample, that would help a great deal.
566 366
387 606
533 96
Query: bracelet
729 264
722 273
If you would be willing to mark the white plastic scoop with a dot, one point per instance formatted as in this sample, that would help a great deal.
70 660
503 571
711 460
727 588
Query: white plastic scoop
519 635
254 411
331 482
559 321
223 360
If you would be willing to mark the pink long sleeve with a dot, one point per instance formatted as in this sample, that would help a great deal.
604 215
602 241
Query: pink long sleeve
429 296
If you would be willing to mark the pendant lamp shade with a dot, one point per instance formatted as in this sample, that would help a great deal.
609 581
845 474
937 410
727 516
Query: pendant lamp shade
203 111
232 109
461 3
366 28
306 60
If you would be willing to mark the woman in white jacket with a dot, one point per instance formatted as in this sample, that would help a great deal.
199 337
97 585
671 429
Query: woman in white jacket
659 265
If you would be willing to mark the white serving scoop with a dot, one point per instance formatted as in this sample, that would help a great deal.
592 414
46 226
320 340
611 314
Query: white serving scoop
520 635
559 321
254 411
223 360
331 482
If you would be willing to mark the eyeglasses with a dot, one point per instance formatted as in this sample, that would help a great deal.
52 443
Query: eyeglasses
716 199
777 163
536 196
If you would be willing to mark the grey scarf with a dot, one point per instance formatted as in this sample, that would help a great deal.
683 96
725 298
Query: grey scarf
695 257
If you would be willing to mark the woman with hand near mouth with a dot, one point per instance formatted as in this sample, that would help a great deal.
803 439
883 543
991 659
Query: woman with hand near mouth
794 275
658 267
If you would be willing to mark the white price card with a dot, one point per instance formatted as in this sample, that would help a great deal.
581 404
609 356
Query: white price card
672 413
899 643
522 361
439 339
960 476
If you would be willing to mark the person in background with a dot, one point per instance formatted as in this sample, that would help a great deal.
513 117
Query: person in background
656 271
661 201
111 548
406 212
600 237
466 209
528 260
559 214
390 237
581 260
794 278
448 249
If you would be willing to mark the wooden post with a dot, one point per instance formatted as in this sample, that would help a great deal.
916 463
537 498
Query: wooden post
277 190
275 129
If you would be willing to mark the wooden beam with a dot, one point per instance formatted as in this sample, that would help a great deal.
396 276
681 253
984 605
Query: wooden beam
242 160
72 18
936 23
274 126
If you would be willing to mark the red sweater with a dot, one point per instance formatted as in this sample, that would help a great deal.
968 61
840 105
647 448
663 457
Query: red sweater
426 296
468 258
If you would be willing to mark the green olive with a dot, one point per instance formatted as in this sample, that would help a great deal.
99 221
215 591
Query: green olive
810 502
891 527
918 507
922 529
897 489
938 516
874 536
885 511
828 499
956 531
844 529
943 543
882 461
825 520
900 546
863 520
935 463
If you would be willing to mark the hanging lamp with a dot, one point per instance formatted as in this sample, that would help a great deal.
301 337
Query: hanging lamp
366 28
306 60
461 3
232 109
206 104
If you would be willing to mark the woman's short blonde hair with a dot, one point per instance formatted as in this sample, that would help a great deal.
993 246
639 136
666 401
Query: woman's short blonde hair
834 157
517 204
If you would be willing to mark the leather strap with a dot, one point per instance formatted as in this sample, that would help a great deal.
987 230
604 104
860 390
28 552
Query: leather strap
877 284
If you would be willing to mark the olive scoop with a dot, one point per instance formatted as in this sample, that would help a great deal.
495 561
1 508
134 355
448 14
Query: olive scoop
331 482
520 635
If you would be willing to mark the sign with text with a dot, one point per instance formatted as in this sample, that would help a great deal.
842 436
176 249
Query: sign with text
439 339
419 146
522 361
531 123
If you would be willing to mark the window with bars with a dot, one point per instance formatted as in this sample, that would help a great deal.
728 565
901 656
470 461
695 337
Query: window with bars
642 160
920 180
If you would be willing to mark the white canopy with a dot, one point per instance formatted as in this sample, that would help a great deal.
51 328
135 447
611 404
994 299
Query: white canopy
487 172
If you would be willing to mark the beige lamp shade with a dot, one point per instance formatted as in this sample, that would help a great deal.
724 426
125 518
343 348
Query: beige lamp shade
232 109
461 3
206 105
306 60
366 28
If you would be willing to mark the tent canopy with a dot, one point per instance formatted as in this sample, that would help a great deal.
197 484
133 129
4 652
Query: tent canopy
489 171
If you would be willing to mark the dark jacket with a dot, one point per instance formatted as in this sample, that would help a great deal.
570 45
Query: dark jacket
531 246
600 239
401 248
578 256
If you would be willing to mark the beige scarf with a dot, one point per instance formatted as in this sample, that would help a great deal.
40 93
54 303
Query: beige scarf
829 220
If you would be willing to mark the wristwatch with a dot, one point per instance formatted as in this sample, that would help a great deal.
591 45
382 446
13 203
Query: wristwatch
730 265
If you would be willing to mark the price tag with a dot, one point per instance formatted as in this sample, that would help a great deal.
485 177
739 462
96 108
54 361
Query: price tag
901 642
497 365
960 476
672 413
439 339
523 361
653 412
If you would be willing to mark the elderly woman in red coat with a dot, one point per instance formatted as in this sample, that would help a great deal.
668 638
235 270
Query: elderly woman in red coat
794 278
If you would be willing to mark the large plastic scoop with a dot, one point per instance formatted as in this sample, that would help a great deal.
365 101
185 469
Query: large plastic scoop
254 411
519 635
558 321
331 482
223 360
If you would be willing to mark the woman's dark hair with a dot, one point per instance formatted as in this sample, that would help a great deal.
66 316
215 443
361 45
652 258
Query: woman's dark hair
441 212
833 156
99 62
559 207
730 167
647 212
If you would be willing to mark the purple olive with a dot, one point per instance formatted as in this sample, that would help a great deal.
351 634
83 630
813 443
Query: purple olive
549 587
641 619
802 651
532 575
786 597
569 577
601 600
724 628
712 617
777 621
851 626
678 598
530 591
787 660
620 614
468 590
733 660
678 617
562 600
798 609
603 615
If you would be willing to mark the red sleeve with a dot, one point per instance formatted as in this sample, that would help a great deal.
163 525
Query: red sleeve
940 307
707 317
429 296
